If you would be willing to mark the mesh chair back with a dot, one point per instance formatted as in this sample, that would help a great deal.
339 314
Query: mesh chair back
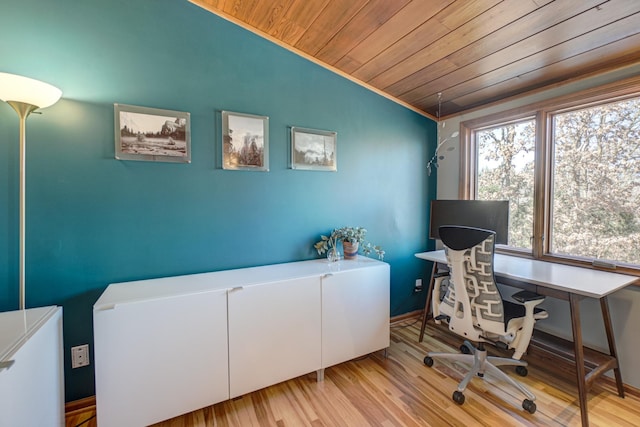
476 270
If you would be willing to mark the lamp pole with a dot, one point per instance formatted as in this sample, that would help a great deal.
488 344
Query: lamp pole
23 109
25 95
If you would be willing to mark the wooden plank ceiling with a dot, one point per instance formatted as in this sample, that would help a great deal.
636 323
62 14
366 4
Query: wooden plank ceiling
473 52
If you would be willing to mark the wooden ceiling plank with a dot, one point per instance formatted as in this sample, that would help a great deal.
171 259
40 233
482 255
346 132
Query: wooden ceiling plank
410 17
425 35
240 9
563 29
417 40
367 20
620 53
329 22
464 11
558 34
215 4
604 36
486 23
297 19
267 14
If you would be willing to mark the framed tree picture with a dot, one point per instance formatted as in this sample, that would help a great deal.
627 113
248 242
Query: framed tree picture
313 149
152 134
245 141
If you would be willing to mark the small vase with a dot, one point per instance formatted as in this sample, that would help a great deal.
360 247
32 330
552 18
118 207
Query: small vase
333 255
350 249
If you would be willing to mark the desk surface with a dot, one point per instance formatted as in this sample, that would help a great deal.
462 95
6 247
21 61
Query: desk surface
567 278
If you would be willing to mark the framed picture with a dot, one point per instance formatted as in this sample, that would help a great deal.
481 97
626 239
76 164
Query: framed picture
152 134
245 141
313 149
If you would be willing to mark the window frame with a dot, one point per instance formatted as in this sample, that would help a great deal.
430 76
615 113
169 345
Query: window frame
543 113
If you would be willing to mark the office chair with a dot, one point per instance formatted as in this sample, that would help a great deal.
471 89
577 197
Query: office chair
473 308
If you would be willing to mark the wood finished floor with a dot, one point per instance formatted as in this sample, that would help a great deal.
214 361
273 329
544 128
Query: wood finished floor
400 390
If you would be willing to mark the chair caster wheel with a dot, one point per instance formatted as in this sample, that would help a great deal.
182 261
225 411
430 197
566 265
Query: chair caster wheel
458 397
529 406
522 371
428 361
464 349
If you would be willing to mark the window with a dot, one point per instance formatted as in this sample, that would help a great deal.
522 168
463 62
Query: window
595 199
570 169
505 160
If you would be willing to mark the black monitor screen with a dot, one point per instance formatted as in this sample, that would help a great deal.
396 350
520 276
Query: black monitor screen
486 214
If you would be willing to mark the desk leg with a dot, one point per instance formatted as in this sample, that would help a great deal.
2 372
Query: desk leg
608 326
427 303
574 304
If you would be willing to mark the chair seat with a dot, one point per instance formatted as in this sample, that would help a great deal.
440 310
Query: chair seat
514 311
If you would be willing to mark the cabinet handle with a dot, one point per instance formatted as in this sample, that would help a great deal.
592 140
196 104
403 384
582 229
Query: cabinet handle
7 364
327 275
237 288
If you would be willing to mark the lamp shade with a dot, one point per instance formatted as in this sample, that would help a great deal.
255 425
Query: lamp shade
29 91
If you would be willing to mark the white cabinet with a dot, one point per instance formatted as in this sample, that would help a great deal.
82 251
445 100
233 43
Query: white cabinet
274 333
159 358
31 370
165 347
355 313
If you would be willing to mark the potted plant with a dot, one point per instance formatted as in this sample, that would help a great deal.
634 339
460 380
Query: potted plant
352 238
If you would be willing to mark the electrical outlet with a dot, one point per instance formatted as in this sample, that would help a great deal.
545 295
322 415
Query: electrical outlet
80 356
418 287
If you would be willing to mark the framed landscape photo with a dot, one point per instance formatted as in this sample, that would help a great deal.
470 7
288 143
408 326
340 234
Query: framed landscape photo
245 141
313 149
152 134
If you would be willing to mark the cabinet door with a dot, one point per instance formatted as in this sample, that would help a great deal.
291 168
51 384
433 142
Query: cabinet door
160 358
274 333
355 313
32 388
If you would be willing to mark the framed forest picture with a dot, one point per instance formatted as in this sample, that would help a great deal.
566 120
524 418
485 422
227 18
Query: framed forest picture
313 149
245 141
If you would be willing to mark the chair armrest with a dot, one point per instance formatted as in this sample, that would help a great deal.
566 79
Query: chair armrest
531 300
526 296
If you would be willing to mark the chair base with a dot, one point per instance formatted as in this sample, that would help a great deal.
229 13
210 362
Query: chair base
481 363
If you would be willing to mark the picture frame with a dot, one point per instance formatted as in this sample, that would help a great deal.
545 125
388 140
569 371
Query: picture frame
313 149
152 134
245 141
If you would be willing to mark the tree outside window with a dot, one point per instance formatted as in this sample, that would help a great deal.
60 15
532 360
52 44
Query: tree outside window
596 182
505 167
584 201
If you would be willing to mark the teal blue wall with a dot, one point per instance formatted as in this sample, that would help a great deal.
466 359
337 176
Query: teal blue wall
93 220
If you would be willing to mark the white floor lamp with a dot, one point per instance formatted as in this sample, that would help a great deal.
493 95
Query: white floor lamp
25 95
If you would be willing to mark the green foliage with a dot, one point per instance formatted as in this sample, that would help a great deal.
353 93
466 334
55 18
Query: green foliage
350 234
595 193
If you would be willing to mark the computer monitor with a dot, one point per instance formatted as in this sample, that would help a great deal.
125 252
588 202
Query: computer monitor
487 214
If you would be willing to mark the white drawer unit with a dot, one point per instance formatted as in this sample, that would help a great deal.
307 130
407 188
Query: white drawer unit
165 347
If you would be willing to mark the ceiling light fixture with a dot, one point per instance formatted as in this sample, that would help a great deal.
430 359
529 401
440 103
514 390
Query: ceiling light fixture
441 125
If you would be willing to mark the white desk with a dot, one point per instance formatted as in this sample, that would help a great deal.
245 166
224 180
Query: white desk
561 281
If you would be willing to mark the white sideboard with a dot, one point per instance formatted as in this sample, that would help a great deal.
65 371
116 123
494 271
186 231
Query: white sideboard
165 347
31 368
